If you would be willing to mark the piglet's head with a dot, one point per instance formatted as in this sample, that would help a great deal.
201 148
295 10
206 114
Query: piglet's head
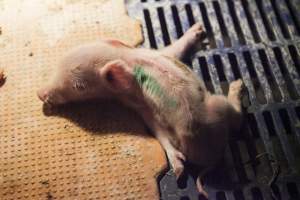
89 82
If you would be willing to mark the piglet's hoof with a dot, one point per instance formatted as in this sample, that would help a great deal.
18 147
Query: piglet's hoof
176 161
196 33
200 187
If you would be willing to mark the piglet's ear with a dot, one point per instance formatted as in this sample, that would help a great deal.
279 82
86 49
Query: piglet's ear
116 74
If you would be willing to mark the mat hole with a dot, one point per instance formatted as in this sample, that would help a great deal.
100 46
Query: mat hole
150 29
220 196
283 68
250 20
293 190
256 194
209 32
269 123
266 23
234 65
236 22
163 25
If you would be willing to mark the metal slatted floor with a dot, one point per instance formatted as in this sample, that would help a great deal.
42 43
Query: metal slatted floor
258 41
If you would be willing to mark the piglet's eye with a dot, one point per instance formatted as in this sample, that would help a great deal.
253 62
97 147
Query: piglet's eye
109 77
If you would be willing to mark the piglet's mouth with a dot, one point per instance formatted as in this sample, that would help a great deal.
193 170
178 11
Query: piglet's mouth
44 97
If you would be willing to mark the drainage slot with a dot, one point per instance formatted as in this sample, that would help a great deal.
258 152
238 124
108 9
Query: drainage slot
236 22
280 21
266 65
291 137
251 23
184 198
286 121
237 160
276 191
283 68
269 123
253 125
295 19
182 183
189 13
220 70
256 193
238 195
220 67
295 57
293 190
176 21
150 29
220 196
268 28
234 65
205 73
297 109
209 32
249 62
224 32
257 86
163 26
276 143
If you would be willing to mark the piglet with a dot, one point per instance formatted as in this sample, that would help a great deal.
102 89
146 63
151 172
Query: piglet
190 123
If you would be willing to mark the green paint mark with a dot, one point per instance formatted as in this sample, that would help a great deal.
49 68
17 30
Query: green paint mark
152 86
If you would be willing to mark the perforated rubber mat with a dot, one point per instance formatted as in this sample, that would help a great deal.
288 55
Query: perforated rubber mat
93 150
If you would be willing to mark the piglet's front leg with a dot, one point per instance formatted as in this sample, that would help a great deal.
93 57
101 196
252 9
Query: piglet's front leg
179 48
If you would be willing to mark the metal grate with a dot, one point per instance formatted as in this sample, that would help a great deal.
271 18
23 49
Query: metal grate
258 41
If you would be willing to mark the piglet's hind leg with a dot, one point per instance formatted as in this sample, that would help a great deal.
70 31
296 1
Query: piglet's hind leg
200 184
175 157
179 48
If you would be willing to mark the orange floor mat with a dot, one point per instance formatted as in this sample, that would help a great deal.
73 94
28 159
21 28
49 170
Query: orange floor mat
81 151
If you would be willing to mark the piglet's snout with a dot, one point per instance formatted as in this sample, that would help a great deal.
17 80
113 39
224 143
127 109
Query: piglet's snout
42 94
